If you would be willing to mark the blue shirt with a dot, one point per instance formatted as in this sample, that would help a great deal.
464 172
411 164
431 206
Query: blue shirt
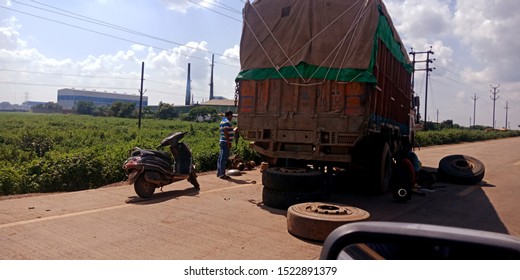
225 124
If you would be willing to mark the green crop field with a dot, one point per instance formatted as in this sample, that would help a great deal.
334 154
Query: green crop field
56 152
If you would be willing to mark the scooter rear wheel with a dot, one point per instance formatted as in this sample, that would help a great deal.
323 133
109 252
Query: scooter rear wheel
143 188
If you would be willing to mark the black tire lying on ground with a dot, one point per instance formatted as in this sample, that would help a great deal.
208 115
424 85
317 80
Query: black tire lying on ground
284 199
461 169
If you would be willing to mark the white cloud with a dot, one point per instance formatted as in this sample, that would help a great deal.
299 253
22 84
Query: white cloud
232 55
137 47
474 41
418 18
182 6
488 29
121 71
9 34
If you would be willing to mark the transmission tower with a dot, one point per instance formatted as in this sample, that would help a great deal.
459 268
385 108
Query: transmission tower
475 98
507 109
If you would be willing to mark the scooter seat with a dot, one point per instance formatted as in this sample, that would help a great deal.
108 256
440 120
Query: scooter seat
157 153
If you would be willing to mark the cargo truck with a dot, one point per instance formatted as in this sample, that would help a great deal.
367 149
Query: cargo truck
324 85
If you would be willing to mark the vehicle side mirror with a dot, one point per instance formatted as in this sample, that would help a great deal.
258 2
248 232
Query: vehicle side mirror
409 241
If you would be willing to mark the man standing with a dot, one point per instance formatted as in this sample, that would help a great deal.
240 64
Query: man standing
226 138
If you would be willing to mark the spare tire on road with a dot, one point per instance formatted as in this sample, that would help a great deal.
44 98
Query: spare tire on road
316 220
461 169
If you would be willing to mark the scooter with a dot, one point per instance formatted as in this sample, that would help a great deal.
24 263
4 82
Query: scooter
151 169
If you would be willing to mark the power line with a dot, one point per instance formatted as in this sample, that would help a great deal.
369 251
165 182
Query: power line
222 14
113 36
68 75
109 25
455 81
59 85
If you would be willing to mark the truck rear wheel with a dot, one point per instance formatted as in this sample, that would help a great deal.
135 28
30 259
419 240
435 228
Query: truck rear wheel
402 181
292 179
380 168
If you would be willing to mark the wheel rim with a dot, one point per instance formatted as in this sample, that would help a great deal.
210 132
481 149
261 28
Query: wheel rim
316 220
462 164
334 212
402 193
143 188
292 170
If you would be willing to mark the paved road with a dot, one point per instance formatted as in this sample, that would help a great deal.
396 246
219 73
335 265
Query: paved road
491 205
226 220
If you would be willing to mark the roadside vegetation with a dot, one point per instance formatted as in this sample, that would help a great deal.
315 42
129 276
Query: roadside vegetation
58 152
447 132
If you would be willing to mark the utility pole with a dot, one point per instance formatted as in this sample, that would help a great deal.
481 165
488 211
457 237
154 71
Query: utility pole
437 115
428 70
475 98
494 98
141 95
507 108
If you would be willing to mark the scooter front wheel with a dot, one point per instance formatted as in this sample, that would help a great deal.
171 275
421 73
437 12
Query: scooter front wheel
143 188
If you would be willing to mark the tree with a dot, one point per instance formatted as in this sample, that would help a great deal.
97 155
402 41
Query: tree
166 111
446 124
85 107
49 107
103 111
202 111
122 109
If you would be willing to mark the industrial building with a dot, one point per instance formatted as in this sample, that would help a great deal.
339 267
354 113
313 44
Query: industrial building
69 97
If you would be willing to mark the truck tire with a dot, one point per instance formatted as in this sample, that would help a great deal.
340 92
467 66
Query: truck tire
316 220
379 168
461 169
292 179
283 199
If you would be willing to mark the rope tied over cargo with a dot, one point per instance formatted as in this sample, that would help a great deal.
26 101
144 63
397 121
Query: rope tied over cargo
352 30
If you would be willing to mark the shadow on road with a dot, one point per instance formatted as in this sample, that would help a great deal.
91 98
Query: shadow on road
163 196
442 203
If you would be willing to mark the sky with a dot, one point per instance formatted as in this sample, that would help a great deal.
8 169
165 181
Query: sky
46 45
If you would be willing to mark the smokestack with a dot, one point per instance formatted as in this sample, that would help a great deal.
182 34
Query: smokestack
188 87
211 82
